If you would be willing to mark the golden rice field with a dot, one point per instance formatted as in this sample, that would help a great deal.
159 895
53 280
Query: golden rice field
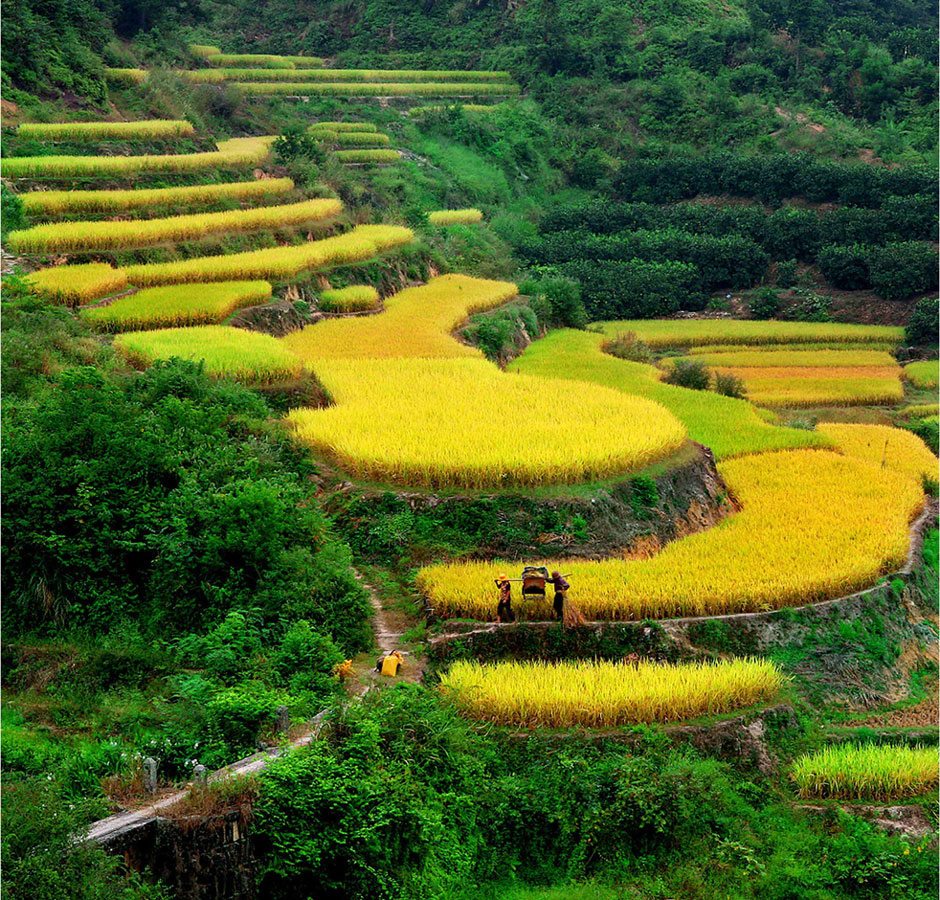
607 694
349 299
64 237
455 216
367 156
360 127
797 358
147 130
379 89
266 60
275 263
48 203
813 526
78 284
884 447
126 77
462 423
236 152
177 305
803 386
919 411
728 426
880 772
840 346
218 75
204 50
228 352
659 333
417 322
923 374
351 138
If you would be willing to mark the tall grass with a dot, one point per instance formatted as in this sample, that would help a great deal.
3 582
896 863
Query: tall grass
813 526
455 216
237 152
383 89
63 237
607 694
56 202
275 263
78 284
148 130
229 352
880 772
177 305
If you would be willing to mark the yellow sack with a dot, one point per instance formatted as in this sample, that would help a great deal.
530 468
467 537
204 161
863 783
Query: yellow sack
391 663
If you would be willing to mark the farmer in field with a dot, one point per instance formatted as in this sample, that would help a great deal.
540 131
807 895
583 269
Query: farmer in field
561 592
504 611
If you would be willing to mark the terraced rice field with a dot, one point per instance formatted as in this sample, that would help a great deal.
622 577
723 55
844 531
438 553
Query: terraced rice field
924 375
383 76
230 352
884 447
78 283
146 130
455 216
177 305
606 694
377 89
878 772
853 526
69 237
233 153
50 203
354 298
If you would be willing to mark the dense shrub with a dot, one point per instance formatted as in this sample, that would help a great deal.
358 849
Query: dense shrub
628 346
730 385
556 300
924 323
764 303
894 271
689 373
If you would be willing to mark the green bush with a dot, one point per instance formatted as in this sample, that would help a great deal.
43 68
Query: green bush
764 303
237 714
628 346
296 144
11 211
786 274
560 297
689 373
730 385
924 323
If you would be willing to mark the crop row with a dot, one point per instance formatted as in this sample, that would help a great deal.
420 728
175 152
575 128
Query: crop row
367 156
455 216
866 772
606 694
85 282
266 60
48 203
216 76
148 130
237 152
126 77
925 374
853 526
796 387
797 357
351 138
360 127
177 305
349 299
226 352
63 237
373 89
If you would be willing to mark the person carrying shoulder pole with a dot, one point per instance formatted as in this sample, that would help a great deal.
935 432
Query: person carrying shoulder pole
504 611
561 588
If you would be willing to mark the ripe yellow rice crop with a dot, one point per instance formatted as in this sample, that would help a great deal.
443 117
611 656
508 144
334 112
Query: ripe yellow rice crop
349 299
177 305
793 358
367 156
351 138
466 107
147 130
265 60
342 126
607 694
416 323
204 50
455 216
346 75
884 446
919 411
78 284
226 352
462 423
275 263
64 237
377 89
866 772
237 152
54 202
697 332
730 427
813 526
923 374
800 387
127 76
842 346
